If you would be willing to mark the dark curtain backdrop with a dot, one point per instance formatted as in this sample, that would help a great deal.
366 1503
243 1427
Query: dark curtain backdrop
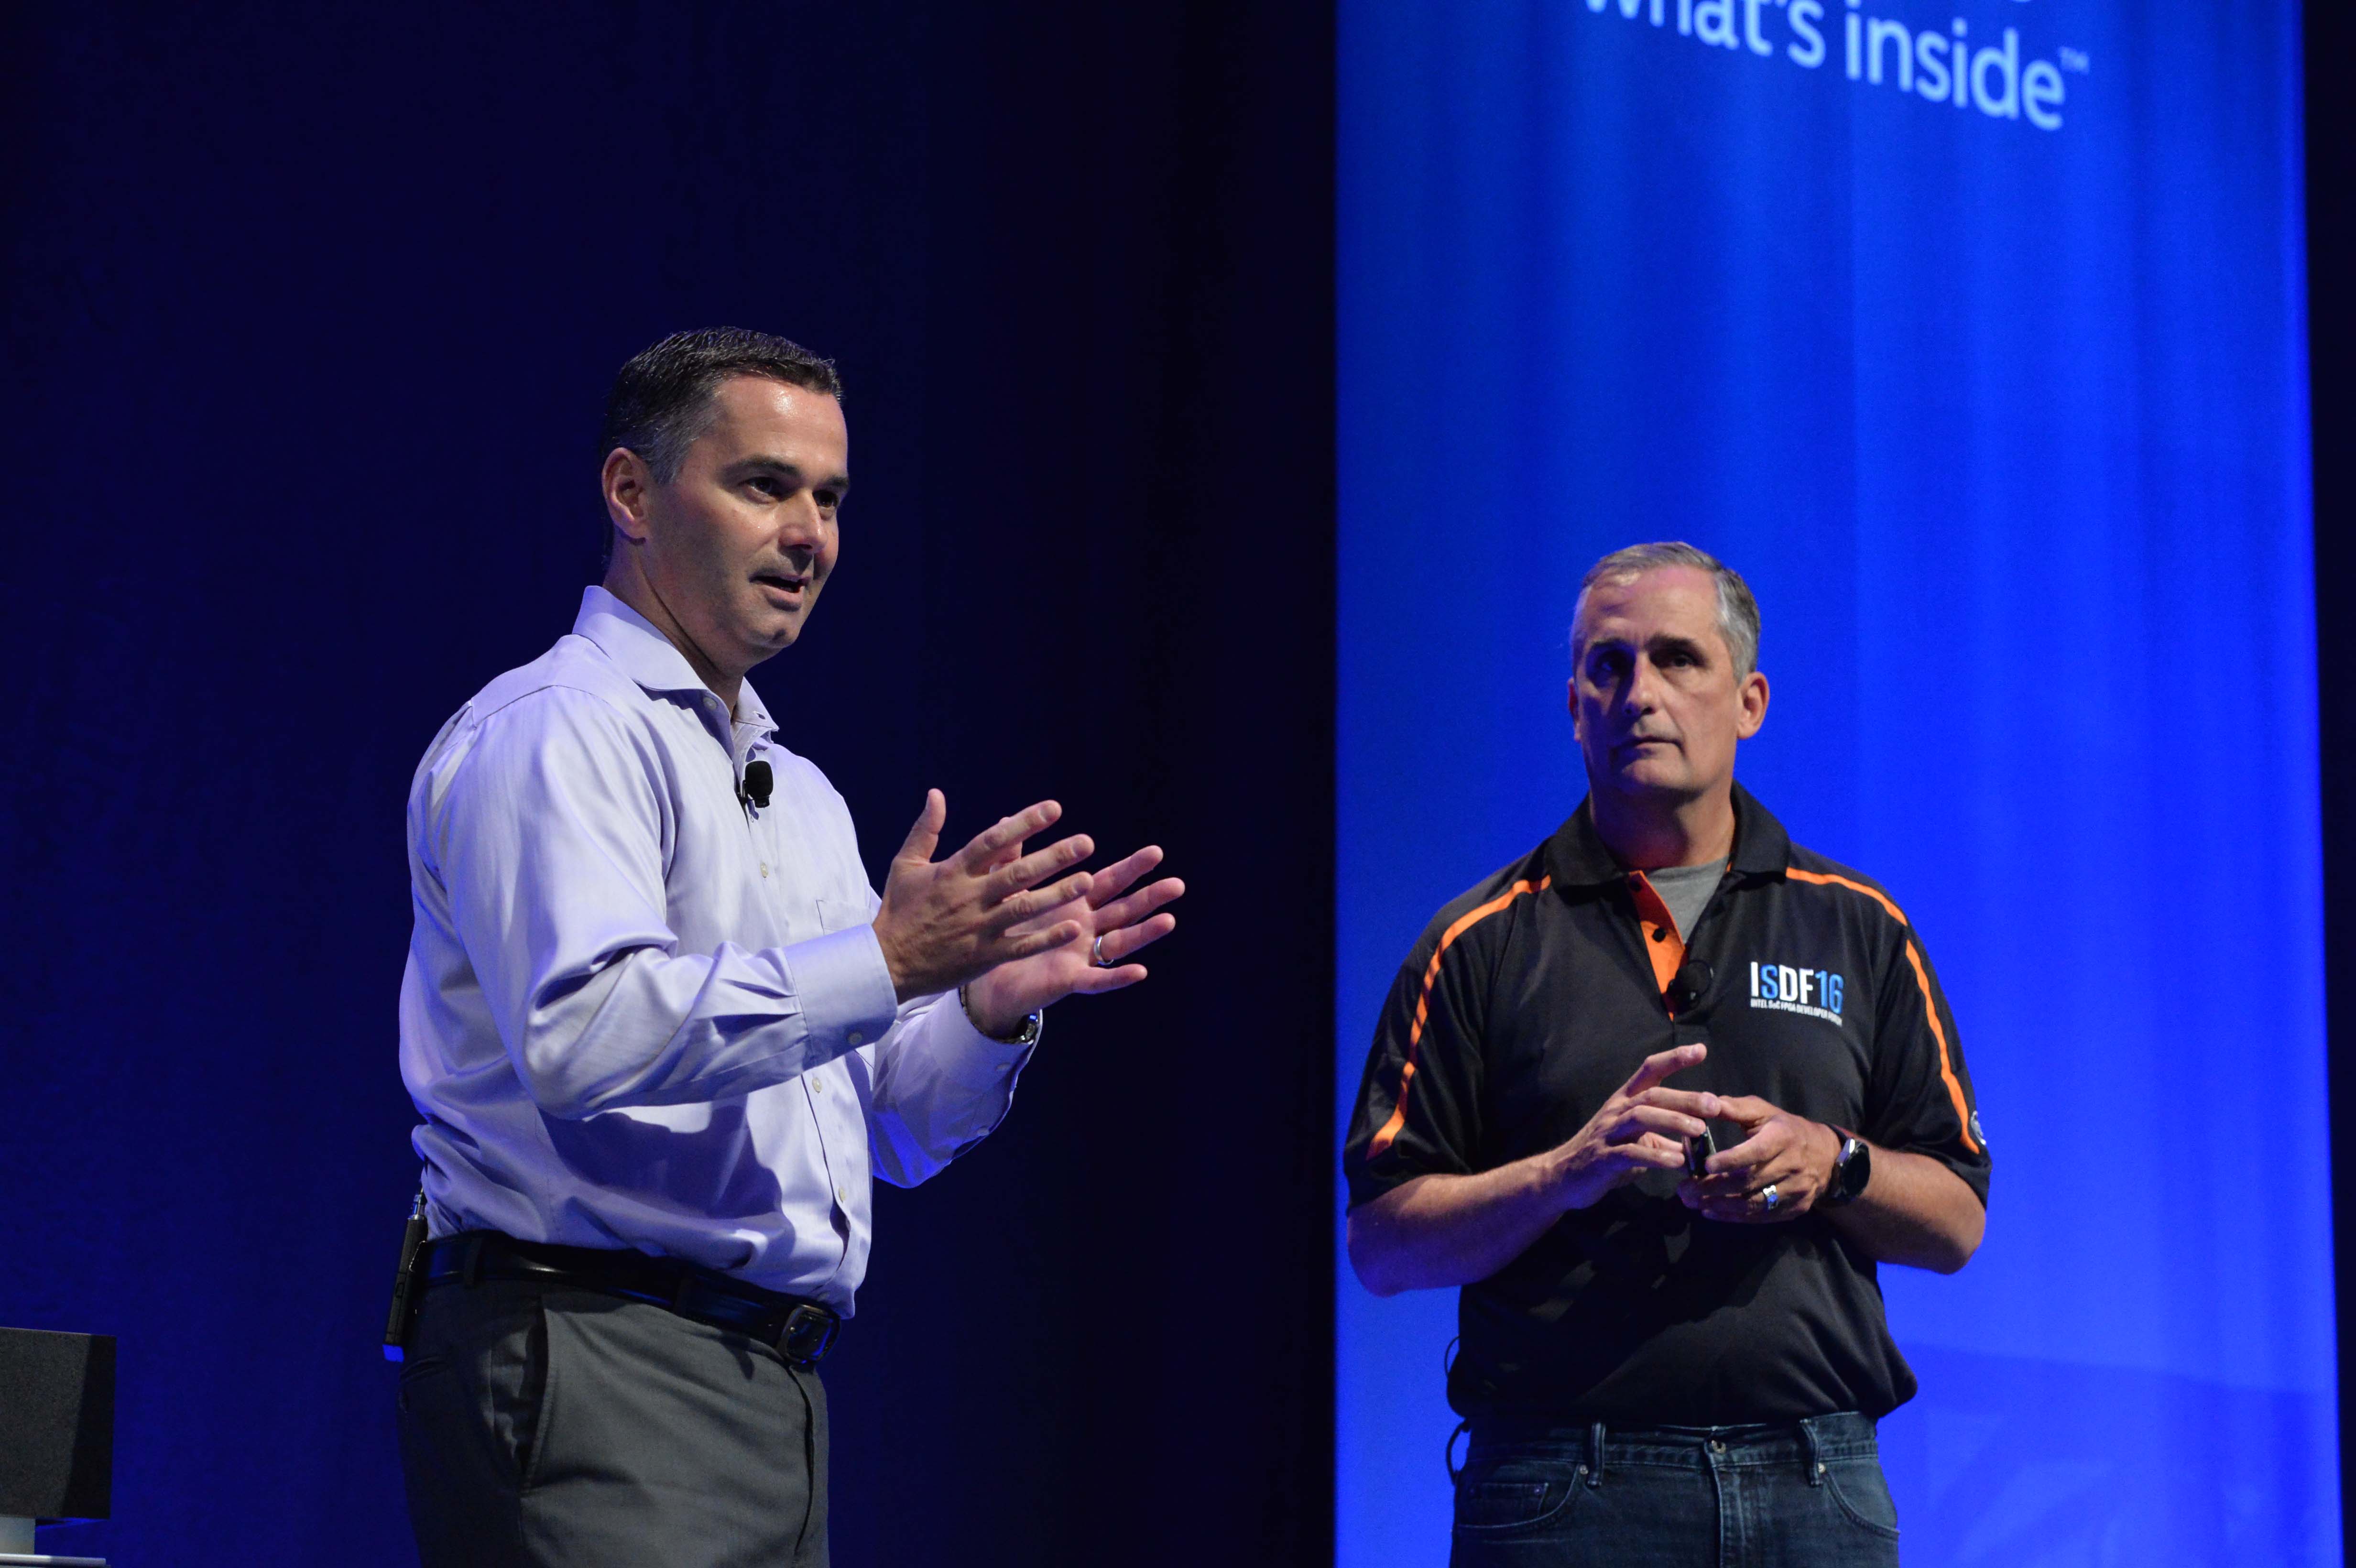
309 315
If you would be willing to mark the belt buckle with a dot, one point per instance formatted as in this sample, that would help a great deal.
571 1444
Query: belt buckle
808 1332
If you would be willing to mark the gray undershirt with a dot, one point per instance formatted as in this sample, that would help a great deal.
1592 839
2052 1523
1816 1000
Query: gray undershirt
1686 889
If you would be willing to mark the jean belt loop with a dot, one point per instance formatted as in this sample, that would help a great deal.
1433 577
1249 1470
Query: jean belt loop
1815 1453
1595 1459
472 1274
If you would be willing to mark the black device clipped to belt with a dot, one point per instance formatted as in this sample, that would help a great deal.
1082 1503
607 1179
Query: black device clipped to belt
405 1282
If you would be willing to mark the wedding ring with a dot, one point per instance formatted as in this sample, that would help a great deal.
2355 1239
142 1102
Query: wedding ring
1770 1195
1095 950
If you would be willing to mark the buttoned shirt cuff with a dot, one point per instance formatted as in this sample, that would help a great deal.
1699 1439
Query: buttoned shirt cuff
845 987
979 1063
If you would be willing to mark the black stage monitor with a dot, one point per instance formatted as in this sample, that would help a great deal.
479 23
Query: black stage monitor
57 1424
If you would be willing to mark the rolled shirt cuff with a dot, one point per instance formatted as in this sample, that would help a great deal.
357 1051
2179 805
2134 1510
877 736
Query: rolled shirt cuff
847 997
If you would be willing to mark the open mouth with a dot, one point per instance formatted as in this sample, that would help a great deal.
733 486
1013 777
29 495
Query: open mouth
785 584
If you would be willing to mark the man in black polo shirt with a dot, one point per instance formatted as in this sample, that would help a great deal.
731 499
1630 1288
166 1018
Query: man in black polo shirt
1659 1368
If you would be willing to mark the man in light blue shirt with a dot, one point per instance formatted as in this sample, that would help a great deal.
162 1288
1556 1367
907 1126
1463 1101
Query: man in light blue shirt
662 1030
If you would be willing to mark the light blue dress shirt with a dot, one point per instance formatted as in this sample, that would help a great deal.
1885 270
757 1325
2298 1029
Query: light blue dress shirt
639 1013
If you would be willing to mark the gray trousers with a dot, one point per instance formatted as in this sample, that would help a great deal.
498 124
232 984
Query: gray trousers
543 1427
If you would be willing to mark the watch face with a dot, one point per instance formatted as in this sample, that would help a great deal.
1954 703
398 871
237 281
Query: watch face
1857 1162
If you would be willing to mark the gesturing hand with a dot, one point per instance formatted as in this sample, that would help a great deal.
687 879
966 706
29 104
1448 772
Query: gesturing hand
1117 926
1790 1154
1642 1128
944 921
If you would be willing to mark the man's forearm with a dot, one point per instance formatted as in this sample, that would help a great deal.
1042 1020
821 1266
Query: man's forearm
940 1086
1439 1230
1914 1211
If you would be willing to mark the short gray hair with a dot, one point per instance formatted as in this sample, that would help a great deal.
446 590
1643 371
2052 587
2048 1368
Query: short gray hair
1738 611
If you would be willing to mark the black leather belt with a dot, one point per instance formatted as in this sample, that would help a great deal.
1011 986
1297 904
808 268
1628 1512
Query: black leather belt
801 1331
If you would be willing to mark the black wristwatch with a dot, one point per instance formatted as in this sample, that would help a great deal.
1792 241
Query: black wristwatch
1852 1168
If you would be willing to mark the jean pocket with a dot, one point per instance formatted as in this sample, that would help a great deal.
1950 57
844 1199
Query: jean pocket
1862 1495
1510 1496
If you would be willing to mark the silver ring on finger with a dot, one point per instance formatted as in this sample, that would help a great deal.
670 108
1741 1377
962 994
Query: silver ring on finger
1096 951
1772 1196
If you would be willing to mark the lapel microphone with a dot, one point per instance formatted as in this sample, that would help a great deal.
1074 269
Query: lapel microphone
758 782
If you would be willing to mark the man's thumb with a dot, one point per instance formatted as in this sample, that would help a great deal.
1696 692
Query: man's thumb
926 836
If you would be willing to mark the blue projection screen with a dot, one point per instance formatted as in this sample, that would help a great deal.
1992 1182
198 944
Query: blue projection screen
1971 333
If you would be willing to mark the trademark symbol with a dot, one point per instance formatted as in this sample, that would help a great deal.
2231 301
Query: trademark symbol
2076 59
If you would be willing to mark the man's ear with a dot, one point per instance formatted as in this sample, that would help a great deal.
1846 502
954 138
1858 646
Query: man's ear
1572 701
629 482
1752 695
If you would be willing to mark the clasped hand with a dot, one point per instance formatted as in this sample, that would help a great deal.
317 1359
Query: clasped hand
983 918
1787 1153
1644 1125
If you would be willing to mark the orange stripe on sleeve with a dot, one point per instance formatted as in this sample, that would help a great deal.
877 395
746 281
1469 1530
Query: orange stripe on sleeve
1389 1131
1826 879
1921 978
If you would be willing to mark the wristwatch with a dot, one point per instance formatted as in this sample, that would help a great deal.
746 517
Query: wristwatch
1852 1168
1027 1034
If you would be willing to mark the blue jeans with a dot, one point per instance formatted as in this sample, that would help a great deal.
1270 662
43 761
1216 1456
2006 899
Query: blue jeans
1805 1495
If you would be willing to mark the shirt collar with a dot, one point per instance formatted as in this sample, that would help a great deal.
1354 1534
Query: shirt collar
753 713
640 651
1575 857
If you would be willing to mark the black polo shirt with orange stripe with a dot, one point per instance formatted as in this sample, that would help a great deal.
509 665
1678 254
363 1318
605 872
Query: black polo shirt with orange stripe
1535 995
